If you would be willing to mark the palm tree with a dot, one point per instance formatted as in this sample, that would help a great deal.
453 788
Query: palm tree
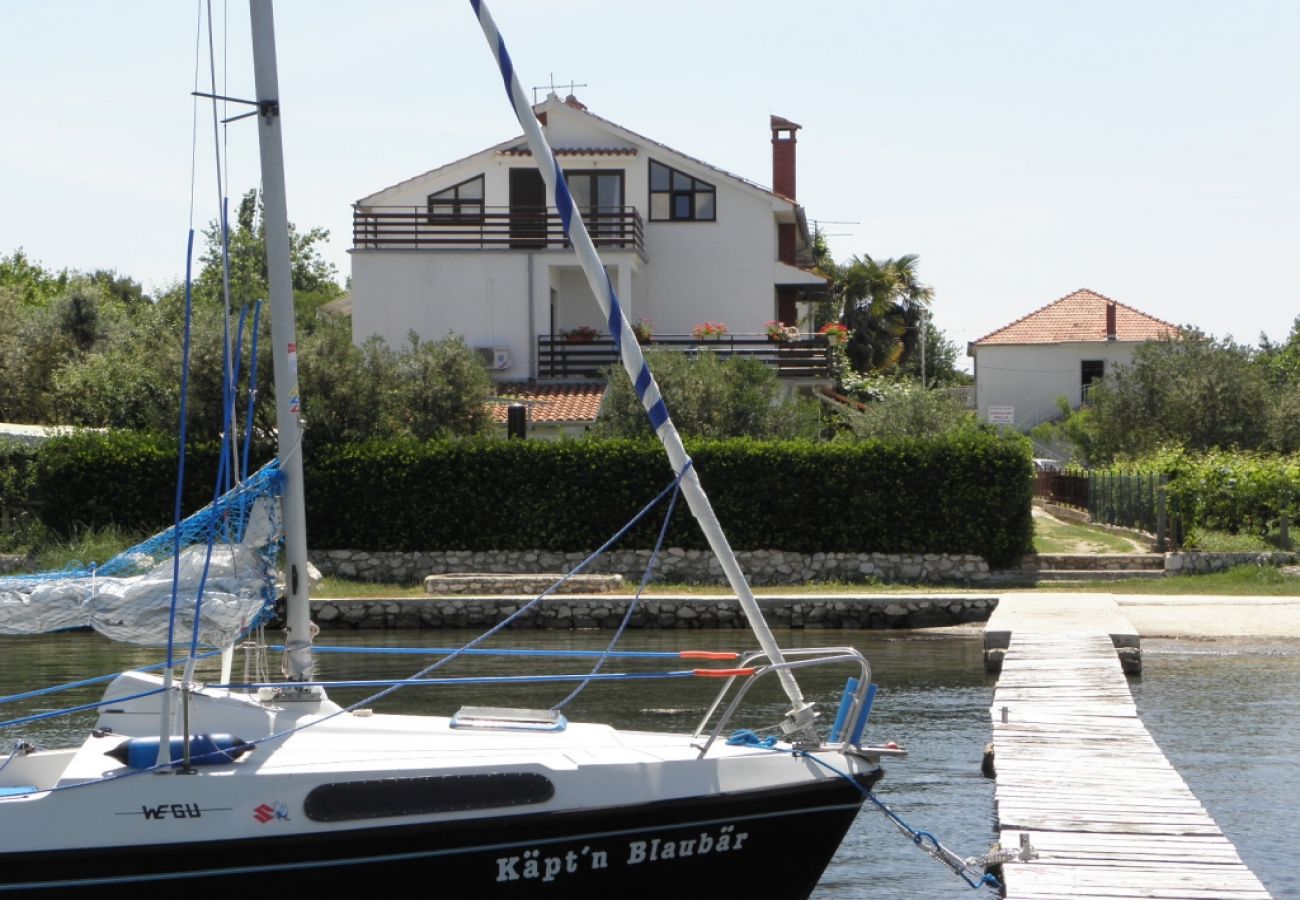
883 304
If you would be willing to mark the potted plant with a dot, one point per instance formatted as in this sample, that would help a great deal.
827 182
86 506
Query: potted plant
581 334
836 333
708 331
643 328
780 332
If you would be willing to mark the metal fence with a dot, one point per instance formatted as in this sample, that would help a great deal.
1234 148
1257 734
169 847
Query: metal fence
1126 501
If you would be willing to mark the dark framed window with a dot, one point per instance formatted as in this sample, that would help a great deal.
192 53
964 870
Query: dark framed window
678 197
459 204
598 195
1091 372
595 192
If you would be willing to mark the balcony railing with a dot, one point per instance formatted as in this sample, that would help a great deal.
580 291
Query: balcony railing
808 357
495 228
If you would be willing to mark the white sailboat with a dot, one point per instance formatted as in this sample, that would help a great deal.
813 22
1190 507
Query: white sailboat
274 787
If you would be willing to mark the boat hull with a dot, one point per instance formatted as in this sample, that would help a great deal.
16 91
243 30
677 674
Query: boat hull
775 841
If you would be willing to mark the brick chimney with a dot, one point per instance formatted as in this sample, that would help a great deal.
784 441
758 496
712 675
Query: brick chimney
783 146
783 183
1110 320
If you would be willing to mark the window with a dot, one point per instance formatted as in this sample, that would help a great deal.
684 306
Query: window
459 204
596 192
678 197
1092 371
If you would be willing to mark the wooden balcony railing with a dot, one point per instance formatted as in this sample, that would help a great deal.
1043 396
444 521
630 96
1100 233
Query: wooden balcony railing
808 357
496 228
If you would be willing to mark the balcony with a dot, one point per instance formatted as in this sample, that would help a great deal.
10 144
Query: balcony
808 358
495 228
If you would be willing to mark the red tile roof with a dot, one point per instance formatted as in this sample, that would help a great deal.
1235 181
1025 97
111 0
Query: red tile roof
551 403
1080 316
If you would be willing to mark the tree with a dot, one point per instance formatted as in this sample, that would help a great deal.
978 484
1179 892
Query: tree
347 389
903 408
442 389
940 360
30 283
883 303
1192 391
710 397
312 277
1280 367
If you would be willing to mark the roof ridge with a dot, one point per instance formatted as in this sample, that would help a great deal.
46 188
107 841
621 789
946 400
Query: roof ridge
1081 293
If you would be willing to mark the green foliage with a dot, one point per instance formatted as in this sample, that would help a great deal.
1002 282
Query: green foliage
125 479
1227 491
898 409
310 274
441 389
883 304
964 493
347 388
28 282
710 397
91 545
1193 391
941 357
16 473
1281 362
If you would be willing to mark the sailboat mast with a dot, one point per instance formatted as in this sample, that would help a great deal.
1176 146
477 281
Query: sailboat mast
288 425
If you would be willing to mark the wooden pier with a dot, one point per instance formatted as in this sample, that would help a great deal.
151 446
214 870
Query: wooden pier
1078 772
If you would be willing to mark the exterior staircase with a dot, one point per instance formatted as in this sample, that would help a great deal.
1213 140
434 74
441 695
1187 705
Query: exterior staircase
1075 567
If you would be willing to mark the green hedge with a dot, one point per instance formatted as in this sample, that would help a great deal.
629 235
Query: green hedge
16 464
124 478
967 493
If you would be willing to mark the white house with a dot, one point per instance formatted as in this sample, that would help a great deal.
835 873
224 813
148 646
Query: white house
1057 351
474 247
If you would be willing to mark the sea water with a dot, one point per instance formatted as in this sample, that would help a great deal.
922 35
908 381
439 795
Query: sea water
1226 714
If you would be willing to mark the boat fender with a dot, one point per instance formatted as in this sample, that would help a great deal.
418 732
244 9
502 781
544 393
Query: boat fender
205 750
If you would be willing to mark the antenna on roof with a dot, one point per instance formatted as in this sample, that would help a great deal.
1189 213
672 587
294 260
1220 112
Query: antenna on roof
818 223
551 88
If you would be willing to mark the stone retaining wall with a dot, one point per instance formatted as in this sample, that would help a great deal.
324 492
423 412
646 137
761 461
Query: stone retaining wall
764 567
658 612
1193 562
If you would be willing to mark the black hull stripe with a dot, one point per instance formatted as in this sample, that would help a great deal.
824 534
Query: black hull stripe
270 844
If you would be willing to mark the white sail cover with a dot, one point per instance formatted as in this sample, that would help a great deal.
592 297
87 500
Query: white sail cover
137 608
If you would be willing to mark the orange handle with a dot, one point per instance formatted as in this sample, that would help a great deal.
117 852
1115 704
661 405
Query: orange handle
708 654
723 673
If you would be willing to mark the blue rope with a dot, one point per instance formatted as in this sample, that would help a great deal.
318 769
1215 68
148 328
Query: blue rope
748 738
252 390
636 599
54 714
180 463
86 682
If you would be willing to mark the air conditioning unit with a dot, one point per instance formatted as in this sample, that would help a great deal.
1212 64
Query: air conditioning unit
497 359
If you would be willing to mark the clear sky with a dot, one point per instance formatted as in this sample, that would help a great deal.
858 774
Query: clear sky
1146 149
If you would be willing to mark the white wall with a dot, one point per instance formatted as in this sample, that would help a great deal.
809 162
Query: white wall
1031 376
479 295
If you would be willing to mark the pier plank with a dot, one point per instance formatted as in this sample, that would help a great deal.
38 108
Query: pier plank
1078 772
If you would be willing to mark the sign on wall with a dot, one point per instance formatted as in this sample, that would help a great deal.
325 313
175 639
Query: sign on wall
1002 415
